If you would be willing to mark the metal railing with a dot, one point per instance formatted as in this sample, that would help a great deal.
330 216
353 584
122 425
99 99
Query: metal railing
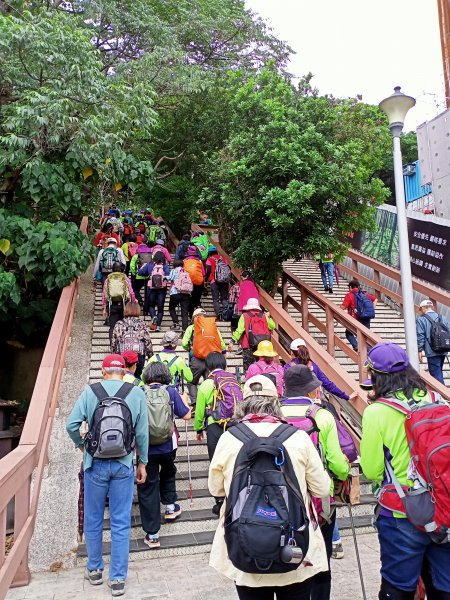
30 457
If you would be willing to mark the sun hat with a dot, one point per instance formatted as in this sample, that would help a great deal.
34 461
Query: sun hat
198 311
268 388
130 357
170 338
387 358
295 344
265 348
299 380
425 303
112 240
252 304
113 361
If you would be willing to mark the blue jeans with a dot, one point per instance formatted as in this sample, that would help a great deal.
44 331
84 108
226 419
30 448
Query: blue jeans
336 534
327 272
116 480
403 551
351 337
436 366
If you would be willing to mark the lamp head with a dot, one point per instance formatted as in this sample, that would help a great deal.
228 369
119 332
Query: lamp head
396 108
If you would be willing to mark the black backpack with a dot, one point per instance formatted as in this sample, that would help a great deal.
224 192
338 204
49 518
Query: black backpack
265 514
439 335
111 431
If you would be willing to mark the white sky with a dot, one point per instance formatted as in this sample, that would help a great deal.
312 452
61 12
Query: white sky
360 47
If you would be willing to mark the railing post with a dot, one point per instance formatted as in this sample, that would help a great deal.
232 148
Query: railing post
2 536
329 324
400 302
376 278
284 291
362 354
305 316
355 265
21 514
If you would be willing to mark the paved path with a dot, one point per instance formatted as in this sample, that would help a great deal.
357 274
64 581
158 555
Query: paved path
190 578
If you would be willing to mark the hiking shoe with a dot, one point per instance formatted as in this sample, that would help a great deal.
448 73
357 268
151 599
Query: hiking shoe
94 577
176 327
216 508
330 290
326 289
338 551
152 542
117 587
170 515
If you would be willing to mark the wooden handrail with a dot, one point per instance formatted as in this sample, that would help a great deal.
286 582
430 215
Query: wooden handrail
30 457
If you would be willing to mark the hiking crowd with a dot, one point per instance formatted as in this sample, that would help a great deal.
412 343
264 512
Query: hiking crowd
280 458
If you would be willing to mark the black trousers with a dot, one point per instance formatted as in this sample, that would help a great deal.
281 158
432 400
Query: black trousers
321 583
295 591
196 297
115 314
181 300
219 292
248 358
199 370
213 433
159 487
155 301
137 285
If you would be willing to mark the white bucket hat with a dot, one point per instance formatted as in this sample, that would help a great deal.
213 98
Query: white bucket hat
252 304
295 344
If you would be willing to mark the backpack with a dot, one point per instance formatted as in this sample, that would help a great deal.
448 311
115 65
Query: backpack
227 393
168 363
160 414
182 247
130 341
127 229
206 337
265 515
132 247
195 269
427 503
257 328
183 283
110 256
364 306
111 431
157 279
201 242
222 273
439 335
103 242
345 439
155 233
117 288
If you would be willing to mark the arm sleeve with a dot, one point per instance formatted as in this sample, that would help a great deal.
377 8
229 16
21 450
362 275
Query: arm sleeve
185 342
115 341
420 335
76 417
144 271
335 458
317 479
203 399
372 447
185 371
240 329
130 291
141 428
133 265
166 270
327 384
121 256
179 407
97 263
104 295
147 339
224 347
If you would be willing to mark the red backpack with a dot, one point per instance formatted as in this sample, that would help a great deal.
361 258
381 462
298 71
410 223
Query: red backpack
256 327
427 503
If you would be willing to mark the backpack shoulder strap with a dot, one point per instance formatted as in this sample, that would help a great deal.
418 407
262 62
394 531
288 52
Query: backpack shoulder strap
99 391
158 358
243 433
283 432
396 404
173 361
124 390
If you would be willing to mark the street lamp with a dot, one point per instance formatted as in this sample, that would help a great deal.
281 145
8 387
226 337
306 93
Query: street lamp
396 107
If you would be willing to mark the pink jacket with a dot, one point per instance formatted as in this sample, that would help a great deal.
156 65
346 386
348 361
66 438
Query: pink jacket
162 249
262 368
247 289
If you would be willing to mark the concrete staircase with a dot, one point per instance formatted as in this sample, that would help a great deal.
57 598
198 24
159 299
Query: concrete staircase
388 323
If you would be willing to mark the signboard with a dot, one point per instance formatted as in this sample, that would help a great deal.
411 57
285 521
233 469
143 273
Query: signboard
429 244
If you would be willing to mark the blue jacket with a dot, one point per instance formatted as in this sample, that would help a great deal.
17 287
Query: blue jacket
147 269
423 328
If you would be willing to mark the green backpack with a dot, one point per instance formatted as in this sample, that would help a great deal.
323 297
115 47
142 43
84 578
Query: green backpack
117 288
155 233
160 415
201 242
109 257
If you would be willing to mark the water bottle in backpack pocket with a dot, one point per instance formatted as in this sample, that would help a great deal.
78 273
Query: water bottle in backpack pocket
266 522
111 431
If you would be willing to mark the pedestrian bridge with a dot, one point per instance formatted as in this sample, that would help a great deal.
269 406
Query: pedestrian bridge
38 480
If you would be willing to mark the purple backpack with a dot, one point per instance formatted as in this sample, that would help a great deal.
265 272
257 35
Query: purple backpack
227 394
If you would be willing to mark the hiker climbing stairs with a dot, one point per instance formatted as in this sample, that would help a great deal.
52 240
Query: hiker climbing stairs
388 323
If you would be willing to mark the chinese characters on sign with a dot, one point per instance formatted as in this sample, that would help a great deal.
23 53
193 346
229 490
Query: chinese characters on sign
430 256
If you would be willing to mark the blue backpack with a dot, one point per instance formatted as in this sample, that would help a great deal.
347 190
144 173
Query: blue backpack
364 306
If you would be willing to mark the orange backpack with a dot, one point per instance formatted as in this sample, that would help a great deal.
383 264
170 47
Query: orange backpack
195 269
206 337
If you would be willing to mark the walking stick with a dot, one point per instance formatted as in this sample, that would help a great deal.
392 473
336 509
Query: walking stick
352 523
191 499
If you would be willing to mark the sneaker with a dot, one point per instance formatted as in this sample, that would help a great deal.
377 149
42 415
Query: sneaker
153 326
338 551
326 289
94 577
176 327
117 587
152 542
238 352
330 290
170 515
216 508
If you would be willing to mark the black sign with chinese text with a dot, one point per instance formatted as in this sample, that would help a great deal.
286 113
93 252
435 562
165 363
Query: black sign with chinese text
429 246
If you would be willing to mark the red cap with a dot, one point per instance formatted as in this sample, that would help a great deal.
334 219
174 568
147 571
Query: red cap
113 361
130 357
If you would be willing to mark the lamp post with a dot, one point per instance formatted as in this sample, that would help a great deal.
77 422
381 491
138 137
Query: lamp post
396 107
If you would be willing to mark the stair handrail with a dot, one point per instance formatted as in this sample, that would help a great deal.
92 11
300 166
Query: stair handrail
29 459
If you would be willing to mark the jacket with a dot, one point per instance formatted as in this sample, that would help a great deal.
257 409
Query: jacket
247 289
120 256
327 384
241 331
163 249
423 329
312 479
261 367
384 438
179 366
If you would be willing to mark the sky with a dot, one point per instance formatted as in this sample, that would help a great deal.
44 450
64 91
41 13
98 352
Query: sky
360 47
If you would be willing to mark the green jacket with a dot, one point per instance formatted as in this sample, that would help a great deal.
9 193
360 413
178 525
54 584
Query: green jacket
240 330
186 342
205 397
335 459
134 268
178 366
383 429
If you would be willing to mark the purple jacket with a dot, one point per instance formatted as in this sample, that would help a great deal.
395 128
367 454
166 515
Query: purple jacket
327 384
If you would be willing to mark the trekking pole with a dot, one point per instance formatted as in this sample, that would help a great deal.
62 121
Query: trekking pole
191 499
358 560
